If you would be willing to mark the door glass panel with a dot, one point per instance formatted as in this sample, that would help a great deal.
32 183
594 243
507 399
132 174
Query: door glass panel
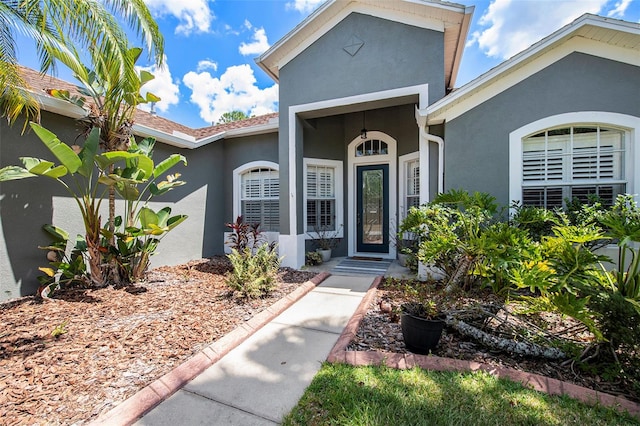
372 206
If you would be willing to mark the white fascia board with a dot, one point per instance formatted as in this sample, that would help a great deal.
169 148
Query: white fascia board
60 106
462 40
175 140
455 107
441 110
336 11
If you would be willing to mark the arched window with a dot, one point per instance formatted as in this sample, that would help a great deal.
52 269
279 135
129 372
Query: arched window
573 162
372 147
259 197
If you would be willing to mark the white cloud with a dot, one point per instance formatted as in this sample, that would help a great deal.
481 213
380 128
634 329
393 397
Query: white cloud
510 26
619 9
162 86
236 89
304 6
207 64
194 15
259 44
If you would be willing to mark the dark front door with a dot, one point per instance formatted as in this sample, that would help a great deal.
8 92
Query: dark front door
373 208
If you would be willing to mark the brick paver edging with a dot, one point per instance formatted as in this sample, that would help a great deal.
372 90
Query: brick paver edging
406 361
153 394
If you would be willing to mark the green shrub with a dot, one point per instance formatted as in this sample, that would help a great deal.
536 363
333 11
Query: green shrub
312 258
253 274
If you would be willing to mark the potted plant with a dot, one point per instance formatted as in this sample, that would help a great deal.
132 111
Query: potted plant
325 240
422 324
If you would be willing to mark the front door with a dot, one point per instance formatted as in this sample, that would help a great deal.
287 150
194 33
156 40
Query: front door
372 211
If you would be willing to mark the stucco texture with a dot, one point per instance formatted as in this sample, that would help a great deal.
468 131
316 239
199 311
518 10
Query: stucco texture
477 142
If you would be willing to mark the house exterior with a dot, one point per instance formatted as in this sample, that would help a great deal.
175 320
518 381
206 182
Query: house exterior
369 125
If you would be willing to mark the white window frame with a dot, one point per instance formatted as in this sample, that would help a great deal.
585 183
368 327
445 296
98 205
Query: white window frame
402 182
237 183
338 185
628 123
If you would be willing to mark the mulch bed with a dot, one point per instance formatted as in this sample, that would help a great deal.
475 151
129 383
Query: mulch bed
380 331
115 341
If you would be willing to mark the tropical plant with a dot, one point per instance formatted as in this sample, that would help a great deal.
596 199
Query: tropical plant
622 224
66 267
244 235
60 28
254 273
140 229
89 177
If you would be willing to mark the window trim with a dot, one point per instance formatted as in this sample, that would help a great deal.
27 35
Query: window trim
627 123
237 182
337 165
402 182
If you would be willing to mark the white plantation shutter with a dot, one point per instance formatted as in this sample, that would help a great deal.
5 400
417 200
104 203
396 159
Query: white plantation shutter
321 194
572 162
413 184
259 203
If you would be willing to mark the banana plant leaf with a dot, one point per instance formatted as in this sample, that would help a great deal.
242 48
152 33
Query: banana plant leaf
14 173
60 150
43 167
137 160
168 163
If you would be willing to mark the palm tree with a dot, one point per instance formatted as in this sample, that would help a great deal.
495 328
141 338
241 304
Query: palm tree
59 29
62 28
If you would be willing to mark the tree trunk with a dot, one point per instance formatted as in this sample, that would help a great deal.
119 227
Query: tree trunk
508 345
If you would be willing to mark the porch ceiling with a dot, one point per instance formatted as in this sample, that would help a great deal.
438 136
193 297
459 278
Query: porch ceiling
360 106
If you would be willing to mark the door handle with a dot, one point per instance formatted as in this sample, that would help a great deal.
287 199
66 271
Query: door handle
358 219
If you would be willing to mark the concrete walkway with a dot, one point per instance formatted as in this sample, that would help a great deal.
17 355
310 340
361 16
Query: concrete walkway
262 379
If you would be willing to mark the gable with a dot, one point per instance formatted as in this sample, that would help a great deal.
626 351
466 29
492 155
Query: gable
606 38
453 20
365 54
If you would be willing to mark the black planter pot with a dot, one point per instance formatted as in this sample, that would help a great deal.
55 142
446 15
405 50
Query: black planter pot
420 335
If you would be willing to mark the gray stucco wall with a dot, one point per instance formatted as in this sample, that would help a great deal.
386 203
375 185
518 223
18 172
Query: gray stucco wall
237 152
394 55
27 204
477 142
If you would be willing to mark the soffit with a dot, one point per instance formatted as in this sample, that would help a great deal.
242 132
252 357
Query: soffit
450 18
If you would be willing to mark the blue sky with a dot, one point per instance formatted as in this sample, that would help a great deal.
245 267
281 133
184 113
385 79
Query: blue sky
211 45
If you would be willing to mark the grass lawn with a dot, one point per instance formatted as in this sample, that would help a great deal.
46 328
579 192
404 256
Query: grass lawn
346 395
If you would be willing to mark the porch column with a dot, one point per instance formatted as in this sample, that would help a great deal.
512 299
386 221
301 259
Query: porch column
291 244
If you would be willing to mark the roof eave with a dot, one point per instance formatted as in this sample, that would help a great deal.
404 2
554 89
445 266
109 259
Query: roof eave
462 39
174 140
528 54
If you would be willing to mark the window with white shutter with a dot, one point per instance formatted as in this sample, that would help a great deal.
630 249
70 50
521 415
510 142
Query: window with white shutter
573 162
323 195
259 198
321 198
412 184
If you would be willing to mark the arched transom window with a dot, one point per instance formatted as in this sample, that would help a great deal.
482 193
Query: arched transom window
259 203
372 147
577 162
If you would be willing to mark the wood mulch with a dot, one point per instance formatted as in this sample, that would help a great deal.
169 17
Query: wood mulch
115 341
380 331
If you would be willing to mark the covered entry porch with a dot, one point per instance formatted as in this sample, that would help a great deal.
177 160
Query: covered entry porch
352 167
